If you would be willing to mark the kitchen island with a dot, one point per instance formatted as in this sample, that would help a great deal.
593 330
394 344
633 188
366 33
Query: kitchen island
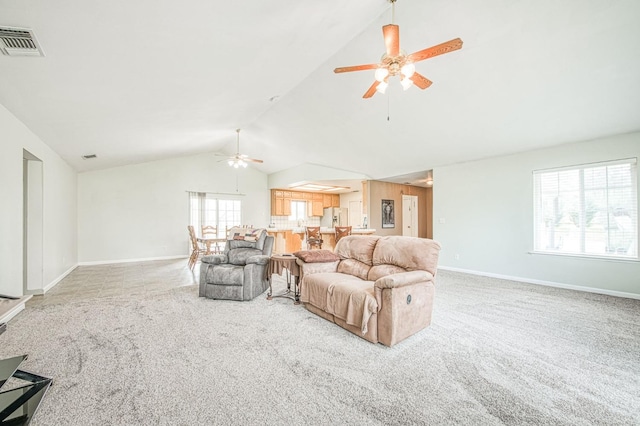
290 240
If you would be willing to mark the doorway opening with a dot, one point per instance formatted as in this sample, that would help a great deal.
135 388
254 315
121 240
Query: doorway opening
32 247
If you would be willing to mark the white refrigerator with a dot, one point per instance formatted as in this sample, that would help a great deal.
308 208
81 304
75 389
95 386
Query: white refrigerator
335 216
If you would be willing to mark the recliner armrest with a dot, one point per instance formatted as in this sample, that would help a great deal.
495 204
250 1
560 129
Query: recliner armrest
402 279
258 259
215 259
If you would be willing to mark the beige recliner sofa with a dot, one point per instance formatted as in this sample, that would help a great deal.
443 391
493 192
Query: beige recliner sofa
380 288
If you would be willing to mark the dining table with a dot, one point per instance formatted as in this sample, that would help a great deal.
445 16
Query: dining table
209 242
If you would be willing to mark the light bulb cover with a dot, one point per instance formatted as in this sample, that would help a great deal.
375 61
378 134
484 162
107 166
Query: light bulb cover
381 74
382 87
408 69
230 162
406 83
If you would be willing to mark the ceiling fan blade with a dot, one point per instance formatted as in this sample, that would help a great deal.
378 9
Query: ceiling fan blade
391 34
356 68
252 160
372 90
440 49
420 80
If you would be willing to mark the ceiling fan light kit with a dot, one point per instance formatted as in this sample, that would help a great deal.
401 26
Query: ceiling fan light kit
397 62
240 160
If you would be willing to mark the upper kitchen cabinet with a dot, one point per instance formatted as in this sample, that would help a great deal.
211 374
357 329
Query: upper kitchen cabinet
280 206
317 202
330 200
326 200
315 208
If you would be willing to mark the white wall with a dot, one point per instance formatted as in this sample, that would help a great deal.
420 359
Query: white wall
59 207
487 206
141 211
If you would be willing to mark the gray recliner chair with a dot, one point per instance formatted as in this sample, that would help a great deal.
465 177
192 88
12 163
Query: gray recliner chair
240 273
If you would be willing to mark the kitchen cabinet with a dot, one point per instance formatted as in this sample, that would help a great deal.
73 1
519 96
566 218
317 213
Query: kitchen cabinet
280 206
315 208
281 201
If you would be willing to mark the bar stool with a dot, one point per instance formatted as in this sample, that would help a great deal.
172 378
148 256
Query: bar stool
342 231
313 237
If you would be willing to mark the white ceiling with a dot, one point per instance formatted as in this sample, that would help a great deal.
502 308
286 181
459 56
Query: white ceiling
135 81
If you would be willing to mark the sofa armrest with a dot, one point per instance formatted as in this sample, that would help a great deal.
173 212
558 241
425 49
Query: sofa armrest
405 303
259 259
403 279
316 267
215 259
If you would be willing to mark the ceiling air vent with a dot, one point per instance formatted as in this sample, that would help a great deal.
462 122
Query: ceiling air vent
89 156
19 42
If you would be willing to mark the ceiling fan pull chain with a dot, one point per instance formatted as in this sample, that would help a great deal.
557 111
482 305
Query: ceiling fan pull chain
388 107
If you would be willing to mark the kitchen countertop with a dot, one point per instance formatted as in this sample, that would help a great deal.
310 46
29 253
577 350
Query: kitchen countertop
322 230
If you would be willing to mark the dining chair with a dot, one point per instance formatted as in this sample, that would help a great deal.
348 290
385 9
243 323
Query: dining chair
196 250
313 237
210 231
342 231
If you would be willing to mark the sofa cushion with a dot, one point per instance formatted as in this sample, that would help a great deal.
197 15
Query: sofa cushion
355 268
410 253
315 288
358 247
379 271
239 256
354 302
225 275
316 256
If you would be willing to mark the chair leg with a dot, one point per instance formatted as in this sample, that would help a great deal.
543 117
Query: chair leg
193 259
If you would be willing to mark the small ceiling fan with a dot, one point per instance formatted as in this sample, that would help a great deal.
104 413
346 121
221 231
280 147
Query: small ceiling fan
396 62
240 160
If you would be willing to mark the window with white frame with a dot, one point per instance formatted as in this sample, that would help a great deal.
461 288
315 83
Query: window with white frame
298 210
208 210
589 210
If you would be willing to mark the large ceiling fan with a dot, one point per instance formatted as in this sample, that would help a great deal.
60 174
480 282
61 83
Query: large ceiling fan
240 160
396 62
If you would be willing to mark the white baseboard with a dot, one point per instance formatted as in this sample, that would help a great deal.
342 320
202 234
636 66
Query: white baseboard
545 283
110 262
49 286
15 310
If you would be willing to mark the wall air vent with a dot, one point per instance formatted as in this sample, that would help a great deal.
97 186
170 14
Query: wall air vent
19 42
89 156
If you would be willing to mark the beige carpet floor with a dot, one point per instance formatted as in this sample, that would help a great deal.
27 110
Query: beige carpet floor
497 352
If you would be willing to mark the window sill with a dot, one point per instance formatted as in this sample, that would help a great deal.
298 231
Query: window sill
587 256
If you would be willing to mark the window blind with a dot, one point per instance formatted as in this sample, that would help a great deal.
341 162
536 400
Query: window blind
590 209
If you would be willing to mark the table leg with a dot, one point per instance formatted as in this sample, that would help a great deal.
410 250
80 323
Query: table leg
269 297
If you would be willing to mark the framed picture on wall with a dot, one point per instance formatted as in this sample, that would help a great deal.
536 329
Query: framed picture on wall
388 214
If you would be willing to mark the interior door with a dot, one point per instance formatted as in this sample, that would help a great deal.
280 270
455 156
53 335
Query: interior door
410 215
355 213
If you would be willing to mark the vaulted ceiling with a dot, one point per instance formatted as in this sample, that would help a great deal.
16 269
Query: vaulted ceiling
135 81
